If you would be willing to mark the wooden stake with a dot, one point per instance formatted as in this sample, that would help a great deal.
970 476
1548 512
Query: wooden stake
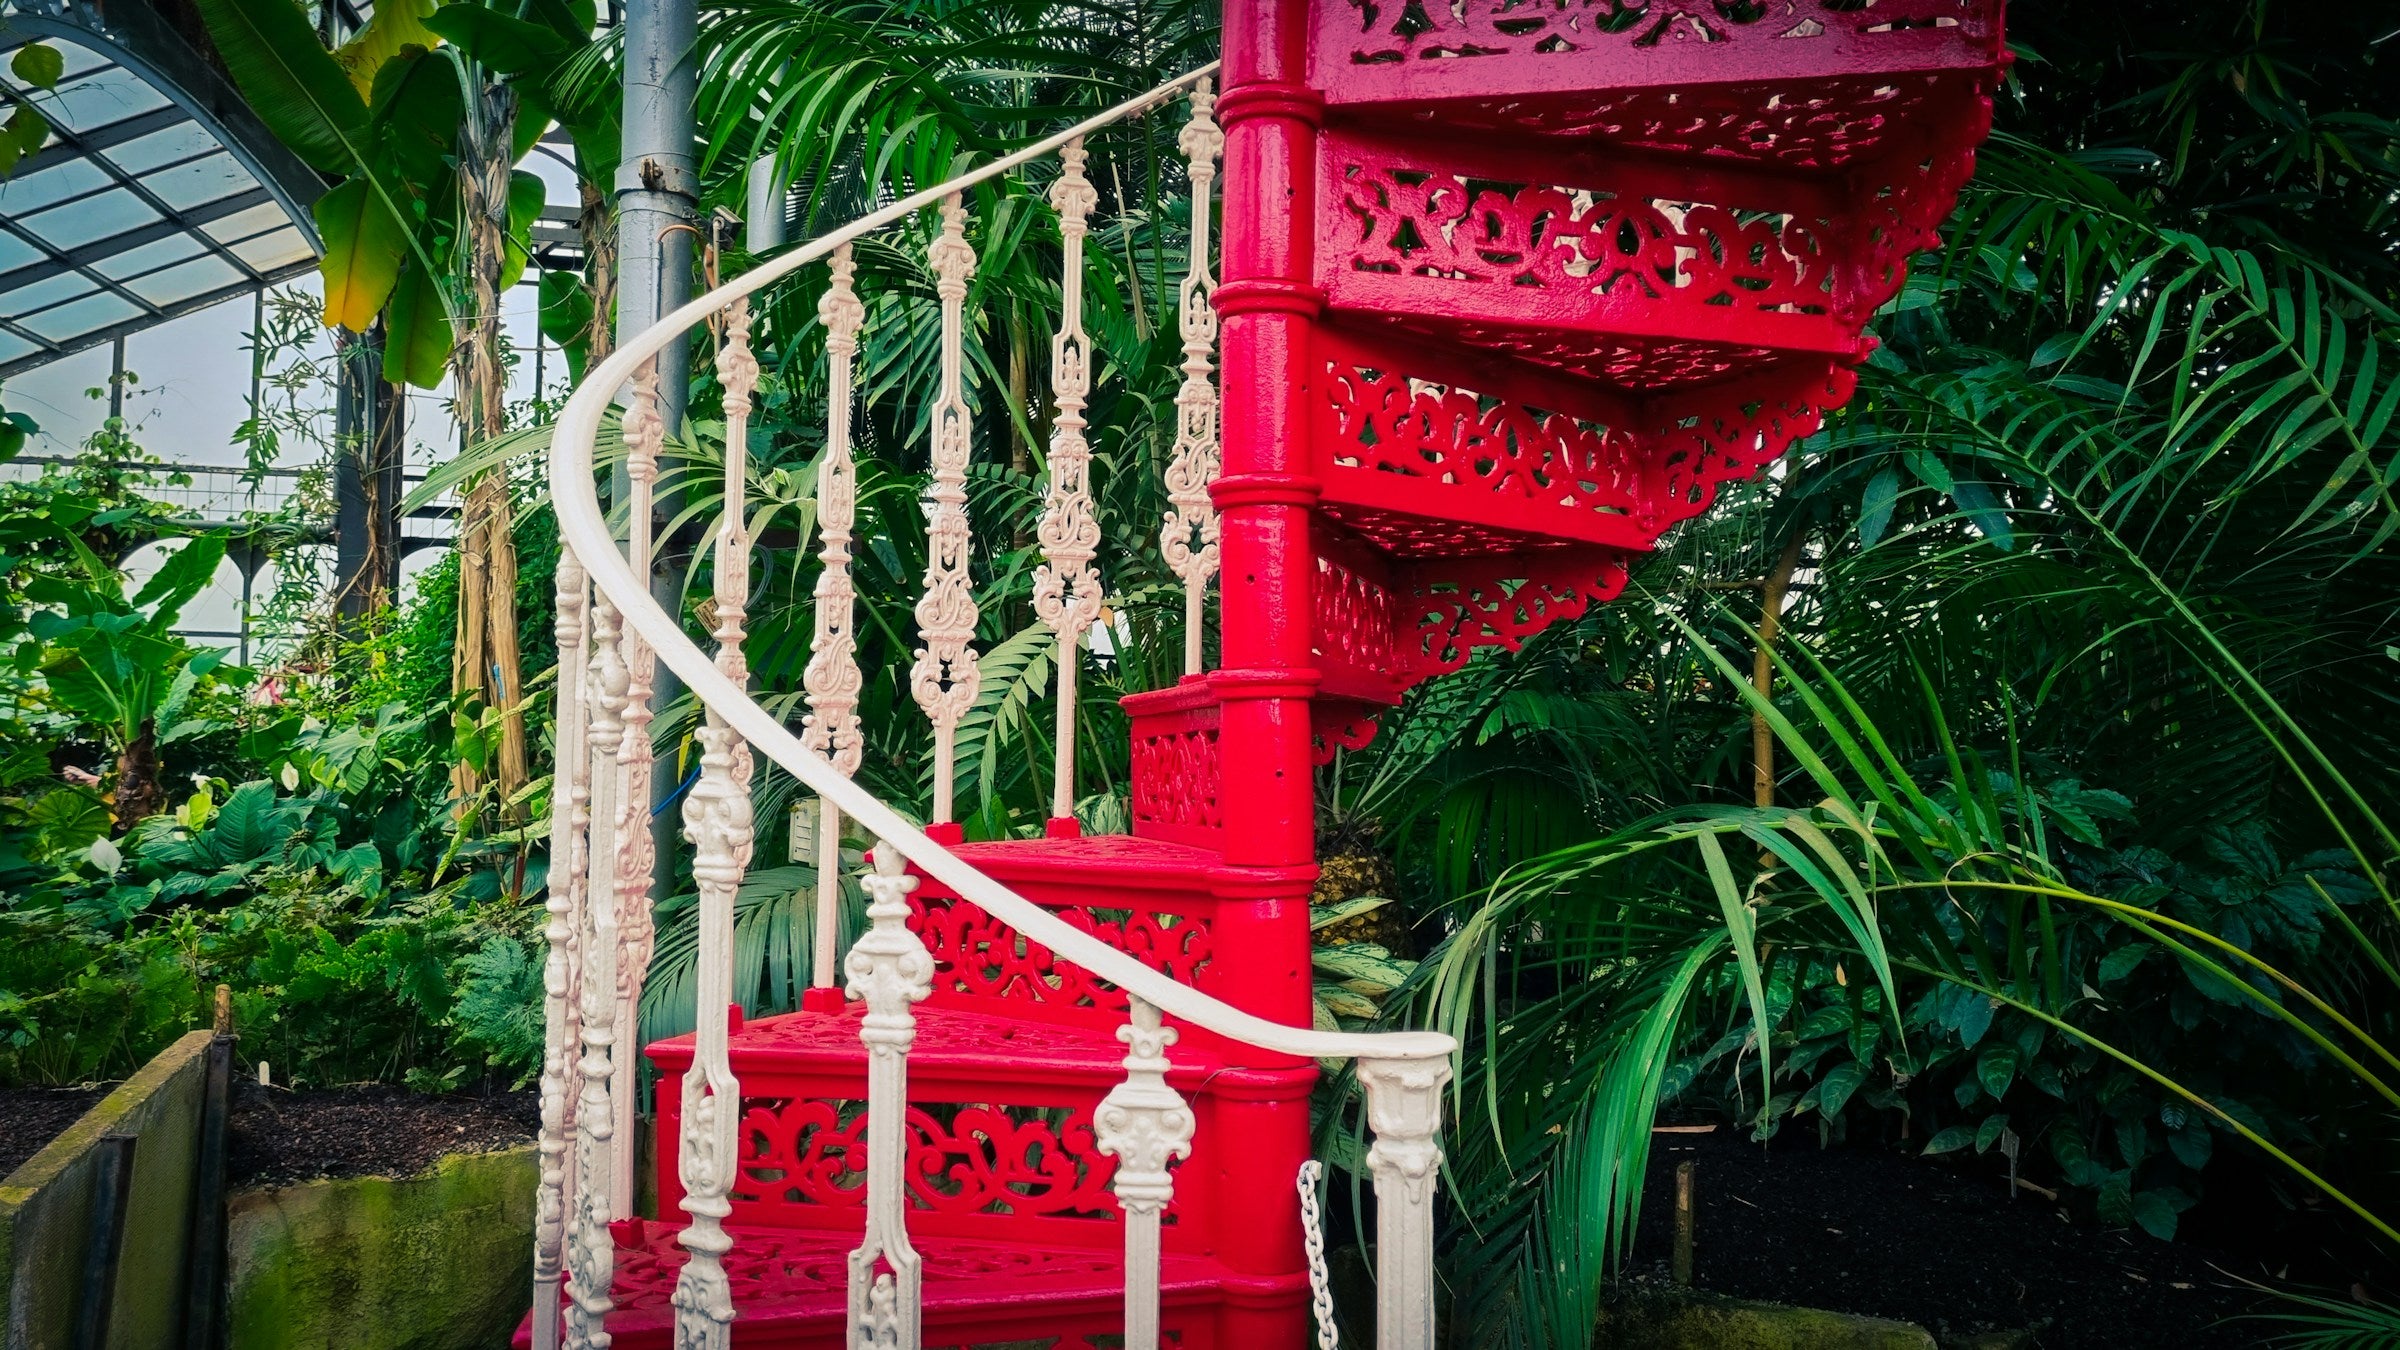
224 1020
1762 673
1683 1223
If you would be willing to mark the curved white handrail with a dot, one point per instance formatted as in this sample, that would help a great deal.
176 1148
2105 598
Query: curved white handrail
583 528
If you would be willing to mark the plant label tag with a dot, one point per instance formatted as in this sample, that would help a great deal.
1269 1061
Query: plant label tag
804 831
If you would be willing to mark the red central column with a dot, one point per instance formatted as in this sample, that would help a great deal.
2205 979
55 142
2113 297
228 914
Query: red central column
1267 672
1265 492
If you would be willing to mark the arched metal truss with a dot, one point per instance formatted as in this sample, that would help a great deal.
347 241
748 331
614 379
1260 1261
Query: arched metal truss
159 193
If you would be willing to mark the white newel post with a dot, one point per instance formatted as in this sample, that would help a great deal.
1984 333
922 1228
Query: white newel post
1190 540
1404 1111
591 1249
832 679
890 970
1066 587
1145 1125
717 821
637 853
945 676
570 802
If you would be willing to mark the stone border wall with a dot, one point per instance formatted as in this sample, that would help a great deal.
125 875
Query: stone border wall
46 1212
438 1261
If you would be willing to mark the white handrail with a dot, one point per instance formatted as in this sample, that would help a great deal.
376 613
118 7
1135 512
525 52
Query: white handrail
584 529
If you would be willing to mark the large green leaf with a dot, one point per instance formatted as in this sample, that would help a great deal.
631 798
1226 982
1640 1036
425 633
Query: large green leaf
566 318
365 246
185 574
501 42
415 114
524 208
295 86
418 334
396 25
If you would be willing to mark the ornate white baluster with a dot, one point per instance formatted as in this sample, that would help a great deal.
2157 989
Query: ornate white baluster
945 676
591 1248
1066 587
832 678
570 799
716 818
1145 1124
636 855
890 969
1404 1109
1190 538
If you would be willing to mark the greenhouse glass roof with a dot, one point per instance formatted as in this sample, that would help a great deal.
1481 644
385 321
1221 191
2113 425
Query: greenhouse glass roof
156 195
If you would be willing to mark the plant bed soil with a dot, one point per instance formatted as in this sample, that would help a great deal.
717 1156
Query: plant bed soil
31 1117
279 1136
1934 1242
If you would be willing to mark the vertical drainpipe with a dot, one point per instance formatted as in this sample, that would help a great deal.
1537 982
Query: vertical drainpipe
657 191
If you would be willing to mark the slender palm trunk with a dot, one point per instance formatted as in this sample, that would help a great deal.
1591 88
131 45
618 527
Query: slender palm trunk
485 658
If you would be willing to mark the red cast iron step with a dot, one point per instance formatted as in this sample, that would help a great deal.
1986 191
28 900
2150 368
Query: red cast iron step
790 1285
957 1048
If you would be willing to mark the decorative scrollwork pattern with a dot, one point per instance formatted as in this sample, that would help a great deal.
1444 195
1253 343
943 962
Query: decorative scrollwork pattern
1385 422
1404 32
1412 221
1175 778
964 1158
975 954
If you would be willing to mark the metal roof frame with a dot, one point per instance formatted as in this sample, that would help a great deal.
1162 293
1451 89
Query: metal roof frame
138 38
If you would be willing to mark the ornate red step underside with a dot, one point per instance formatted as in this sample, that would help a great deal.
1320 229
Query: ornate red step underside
789 1287
1802 84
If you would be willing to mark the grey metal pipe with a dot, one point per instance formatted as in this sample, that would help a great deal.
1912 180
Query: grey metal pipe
658 191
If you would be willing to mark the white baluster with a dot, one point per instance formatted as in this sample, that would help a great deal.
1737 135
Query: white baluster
717 820
1066 587
890 970
570 801
945 677
832 678
1404 1110
1190 538
1145 1125
591 1248
637 854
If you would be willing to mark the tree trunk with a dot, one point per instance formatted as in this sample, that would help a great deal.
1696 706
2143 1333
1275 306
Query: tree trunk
485 659
598 225
138 796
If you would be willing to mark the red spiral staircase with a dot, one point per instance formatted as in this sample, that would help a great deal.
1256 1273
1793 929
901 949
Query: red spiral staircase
1510 287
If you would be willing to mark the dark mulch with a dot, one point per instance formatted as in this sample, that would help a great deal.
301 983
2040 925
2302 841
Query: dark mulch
282 1136
1938 1243
31 1117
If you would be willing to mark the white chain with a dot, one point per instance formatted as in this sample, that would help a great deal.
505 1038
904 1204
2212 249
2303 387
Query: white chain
1320 1283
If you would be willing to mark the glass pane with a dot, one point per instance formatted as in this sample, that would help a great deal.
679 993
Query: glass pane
148 258
94 218
15 252
12 347
78 60
111 95
182 283
275 250
51 186
245 223
43 294
212 179
77 317
185 140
